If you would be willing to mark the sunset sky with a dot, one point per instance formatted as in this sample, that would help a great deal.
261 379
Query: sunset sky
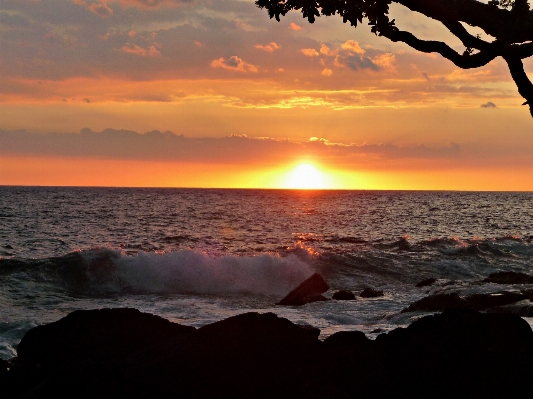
199 93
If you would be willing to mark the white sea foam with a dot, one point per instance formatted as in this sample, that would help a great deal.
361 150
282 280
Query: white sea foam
190 271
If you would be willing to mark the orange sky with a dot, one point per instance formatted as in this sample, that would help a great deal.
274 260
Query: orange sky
234 99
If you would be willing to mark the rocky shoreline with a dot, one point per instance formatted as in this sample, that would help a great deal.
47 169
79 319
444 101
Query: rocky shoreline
123 353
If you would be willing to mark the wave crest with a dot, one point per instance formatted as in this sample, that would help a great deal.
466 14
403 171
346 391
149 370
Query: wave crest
108 271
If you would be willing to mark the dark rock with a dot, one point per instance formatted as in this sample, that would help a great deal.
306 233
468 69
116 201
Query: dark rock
426 282
438 302
370 293
343 295
259 328
346 339
483 301
474 250
509 278
522 309
457 354
86 335
448 283
486 301
251 355
403 244
3 369
306 292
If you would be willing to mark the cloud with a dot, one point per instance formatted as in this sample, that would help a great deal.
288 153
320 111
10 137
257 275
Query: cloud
152 4
142 52
269 48
355 62
294 26
309 52
100 8
66 45
324 49
233 149
489 104
327 72
459 75
233 63
353 47
352 55
385 61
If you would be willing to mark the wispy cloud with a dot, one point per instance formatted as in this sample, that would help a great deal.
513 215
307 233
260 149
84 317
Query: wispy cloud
138 50
235 149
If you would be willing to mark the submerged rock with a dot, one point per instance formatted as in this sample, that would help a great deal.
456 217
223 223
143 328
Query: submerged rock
482 301
438 302
426 282
522 309
370 293
509 278
403 244
486 301
308 291
474 250
343 295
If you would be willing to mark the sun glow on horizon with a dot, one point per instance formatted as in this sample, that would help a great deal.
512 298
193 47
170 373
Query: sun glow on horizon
307 177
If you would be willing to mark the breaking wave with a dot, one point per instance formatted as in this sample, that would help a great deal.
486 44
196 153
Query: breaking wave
181 272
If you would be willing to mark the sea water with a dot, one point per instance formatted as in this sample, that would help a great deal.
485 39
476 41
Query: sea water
195 256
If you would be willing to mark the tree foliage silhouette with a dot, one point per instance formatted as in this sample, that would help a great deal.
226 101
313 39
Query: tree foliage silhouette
509 22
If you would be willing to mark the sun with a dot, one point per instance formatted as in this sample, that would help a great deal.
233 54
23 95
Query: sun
306 177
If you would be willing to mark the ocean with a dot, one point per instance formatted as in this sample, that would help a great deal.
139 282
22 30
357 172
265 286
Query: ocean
195 256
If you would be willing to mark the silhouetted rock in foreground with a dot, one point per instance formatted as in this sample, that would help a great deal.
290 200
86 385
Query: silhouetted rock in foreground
370 293
343 295
87 335
456 354
308 291
509 278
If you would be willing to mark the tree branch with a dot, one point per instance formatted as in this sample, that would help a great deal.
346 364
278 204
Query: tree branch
431 46
508 25
457 29
522 50
525 87
512 28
